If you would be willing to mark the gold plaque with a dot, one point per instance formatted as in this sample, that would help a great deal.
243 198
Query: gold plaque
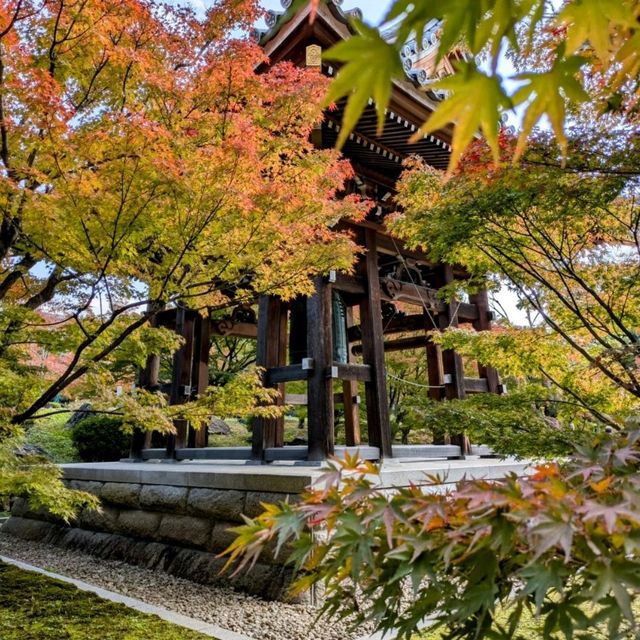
314 55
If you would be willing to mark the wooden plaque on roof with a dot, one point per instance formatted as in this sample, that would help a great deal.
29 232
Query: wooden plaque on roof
314 56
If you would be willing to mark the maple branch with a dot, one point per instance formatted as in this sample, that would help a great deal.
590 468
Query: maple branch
585 405
101 65
634 390
57 412
25 264
71 373
48 291
54 39
11 22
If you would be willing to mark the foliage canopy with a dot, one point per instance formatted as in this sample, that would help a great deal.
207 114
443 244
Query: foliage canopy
561 544
145 163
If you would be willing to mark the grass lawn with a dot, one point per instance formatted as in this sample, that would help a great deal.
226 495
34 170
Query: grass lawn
34 607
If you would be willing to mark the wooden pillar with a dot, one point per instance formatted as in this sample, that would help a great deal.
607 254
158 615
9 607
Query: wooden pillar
181 380
379 426
271 352
149 379
321 420
350 401
453 365
483 323
199 437
435 369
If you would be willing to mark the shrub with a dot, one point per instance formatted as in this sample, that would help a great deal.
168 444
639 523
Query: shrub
101 439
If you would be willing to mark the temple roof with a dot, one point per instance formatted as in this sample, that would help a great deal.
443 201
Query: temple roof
287 35
418 58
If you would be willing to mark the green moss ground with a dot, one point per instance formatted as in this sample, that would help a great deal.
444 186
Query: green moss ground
530 629
34 607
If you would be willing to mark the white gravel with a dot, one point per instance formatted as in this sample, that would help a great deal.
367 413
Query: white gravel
223 607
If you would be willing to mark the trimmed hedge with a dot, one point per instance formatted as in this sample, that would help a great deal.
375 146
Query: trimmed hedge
100 438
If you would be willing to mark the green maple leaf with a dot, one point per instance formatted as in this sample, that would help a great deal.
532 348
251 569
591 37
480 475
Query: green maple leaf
592 21
370 65
609 581
474 104
547 94
551 533
540 579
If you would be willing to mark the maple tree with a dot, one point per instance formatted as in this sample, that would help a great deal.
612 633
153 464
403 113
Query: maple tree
561 544
589 50
565 240
145 162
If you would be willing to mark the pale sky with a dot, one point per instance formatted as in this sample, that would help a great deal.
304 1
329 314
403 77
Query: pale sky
373 9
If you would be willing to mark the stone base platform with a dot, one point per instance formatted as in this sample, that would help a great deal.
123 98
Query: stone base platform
176 516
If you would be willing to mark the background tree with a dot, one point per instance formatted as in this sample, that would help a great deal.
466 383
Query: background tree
145 163
565 239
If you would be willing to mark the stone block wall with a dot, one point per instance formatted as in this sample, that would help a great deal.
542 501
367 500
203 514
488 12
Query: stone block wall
176 517
178 529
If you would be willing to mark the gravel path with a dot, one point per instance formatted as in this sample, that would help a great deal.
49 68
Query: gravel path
224 607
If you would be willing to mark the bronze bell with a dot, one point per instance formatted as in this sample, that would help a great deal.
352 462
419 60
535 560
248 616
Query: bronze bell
298 330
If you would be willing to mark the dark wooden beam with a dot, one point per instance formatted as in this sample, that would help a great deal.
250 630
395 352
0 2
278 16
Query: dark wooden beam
272 323
392 290
356 372
149 379
198 437
435 370
396 290
453 365
408 324
476 385
350 400
280 375
483 323
373 352
181 377
402 344
401 324
349 284
320 419
230 329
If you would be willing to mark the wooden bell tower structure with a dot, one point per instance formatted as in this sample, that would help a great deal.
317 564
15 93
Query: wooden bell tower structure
335 341
387 272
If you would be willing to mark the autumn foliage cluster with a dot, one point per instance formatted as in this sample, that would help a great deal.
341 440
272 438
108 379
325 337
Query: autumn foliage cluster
148 158
561 544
